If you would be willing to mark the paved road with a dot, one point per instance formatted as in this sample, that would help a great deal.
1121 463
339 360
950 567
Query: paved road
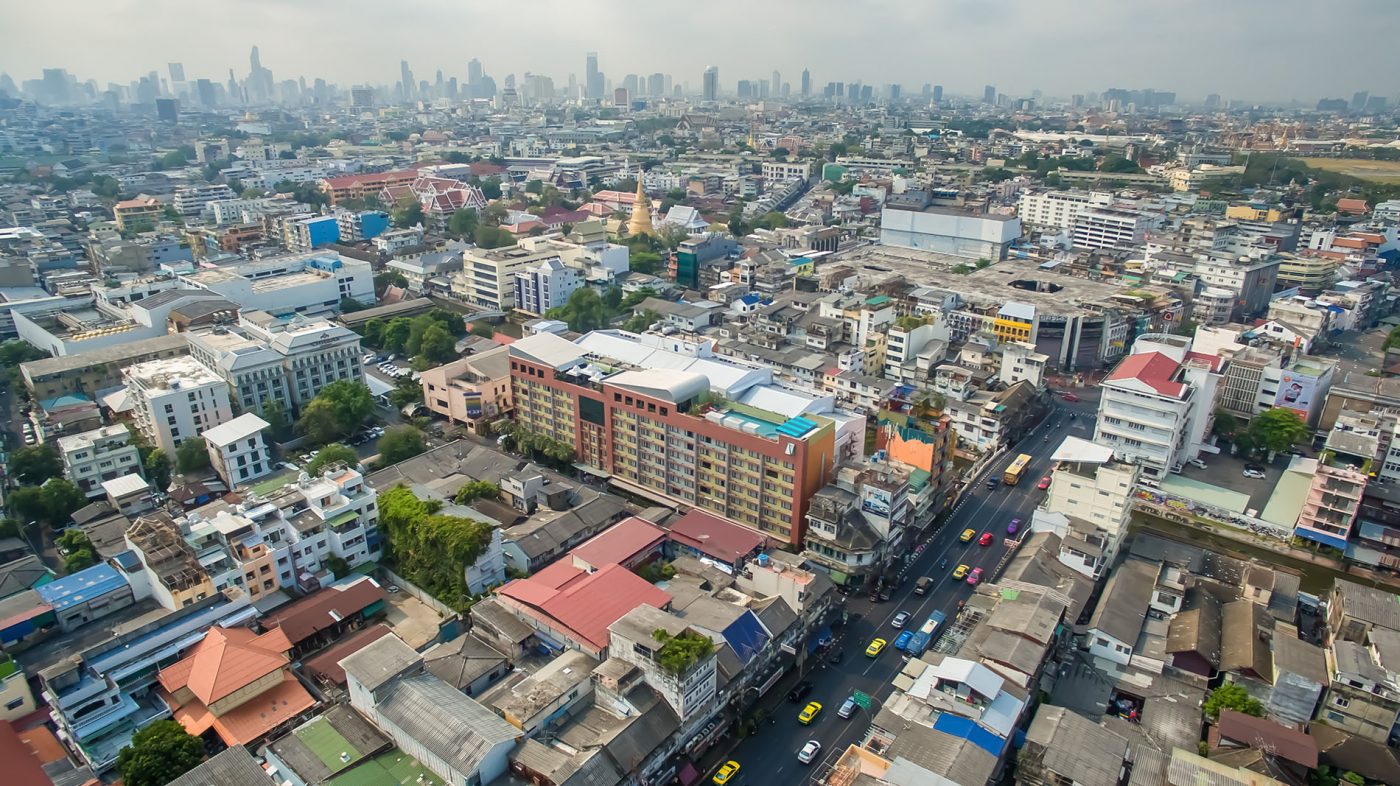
770 756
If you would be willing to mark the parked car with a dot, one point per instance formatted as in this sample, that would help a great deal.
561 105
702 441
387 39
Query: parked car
799 691
1253 474
809 752
899 619
974 577
1197 463
985 540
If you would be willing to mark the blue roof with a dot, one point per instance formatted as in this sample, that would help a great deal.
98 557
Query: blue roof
750 299
65 400
970 730
746 635
796 427
82 586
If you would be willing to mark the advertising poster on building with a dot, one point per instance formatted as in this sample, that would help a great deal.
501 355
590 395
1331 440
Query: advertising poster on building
1296 392
473 402
876 500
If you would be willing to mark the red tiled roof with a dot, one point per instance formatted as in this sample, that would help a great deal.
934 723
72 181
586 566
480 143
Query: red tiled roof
1150 368
226 660
253 718
486 169
372 178
1213 361
313 613
588 606
720 538
326 663
622 543
1263 734
22 768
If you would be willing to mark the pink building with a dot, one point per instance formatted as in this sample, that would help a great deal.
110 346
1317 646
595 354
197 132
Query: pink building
472 391
1330 509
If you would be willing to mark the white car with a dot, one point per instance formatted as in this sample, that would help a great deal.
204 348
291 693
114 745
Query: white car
899 619
1197 463
1253 474
809 752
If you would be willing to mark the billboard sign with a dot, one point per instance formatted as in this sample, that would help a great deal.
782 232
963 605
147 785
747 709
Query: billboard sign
1296 391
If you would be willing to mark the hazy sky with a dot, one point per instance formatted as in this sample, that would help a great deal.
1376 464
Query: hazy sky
1247 49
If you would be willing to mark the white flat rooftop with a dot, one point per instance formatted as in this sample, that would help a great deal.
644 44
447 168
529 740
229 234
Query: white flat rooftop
1078 450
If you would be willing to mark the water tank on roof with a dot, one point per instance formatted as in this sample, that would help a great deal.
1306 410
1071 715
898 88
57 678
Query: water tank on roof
763 560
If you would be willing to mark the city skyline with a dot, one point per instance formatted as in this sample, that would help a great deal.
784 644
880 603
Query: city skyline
1017 46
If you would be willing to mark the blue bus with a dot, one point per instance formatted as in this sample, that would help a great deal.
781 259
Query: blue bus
926 635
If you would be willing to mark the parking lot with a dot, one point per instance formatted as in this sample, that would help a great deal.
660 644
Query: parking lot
1226 471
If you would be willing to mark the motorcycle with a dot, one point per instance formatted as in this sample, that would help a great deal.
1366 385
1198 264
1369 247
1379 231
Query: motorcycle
943 564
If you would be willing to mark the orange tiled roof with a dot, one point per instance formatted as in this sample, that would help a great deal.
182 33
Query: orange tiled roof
250 720
225 661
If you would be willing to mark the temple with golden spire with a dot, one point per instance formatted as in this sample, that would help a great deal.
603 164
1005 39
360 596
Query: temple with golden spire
640 222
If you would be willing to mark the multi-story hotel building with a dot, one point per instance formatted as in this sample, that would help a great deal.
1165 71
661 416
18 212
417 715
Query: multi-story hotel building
667 420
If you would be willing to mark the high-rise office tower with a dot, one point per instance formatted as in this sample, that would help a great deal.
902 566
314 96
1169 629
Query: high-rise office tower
894 92
710 89
473 72
592 77
989 94
806 83
1358 99
167 110
745 88
656 85
937 94
406 79
775 84
177 72
205 90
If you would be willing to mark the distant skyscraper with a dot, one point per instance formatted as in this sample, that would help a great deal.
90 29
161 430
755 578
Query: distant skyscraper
167 110
745 88
177 72
656 85
710 89
204 89
937 94
895 91
1358 99
806 83
406 79
775 85
592 77
989 94
361 96
473 72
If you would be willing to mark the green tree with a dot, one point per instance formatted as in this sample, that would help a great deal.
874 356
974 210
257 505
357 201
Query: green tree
35 463
641 320
476 489
646 262
27 502
463 222
157 466
636 296
334 453
491 188
1278 429
1231 696
400 443
405 392
781 152
1119 164
485 236
396 333
192 455
338 409
1225 424
409 215
338 567
172 160
437 346
431 550
534 187
159 753
78 550
279 421
584 311
483 328
349 305
389 278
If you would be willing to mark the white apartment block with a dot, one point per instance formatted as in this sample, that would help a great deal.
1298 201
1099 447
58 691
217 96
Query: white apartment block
1158 403
175 399
309 283
1058 209
1104 228
190 200
1021 363
488 275
95 456
283 362
774 171
545 286
283 539
1088 484
911 353
237 450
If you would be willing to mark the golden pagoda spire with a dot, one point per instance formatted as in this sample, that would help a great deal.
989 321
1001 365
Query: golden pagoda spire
640 222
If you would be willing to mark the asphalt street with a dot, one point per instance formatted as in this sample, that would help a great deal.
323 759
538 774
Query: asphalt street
769 757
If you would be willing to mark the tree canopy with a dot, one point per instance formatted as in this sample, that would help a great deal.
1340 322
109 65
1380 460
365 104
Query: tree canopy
463 222
78 549
334 453
192 455
584 311
1278 429
35 463
159 753
400 443
408 215
431 550
1231 696
339 409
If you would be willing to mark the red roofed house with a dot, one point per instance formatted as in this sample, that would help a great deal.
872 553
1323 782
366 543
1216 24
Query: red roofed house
628 543
237 684
1353 207
570 607
325 615
702 535
1158 404
22 767
360 186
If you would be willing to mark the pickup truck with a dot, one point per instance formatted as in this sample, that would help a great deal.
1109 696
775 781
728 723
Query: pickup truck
922 585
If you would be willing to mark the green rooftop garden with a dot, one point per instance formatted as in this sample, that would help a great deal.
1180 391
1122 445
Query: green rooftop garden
680 653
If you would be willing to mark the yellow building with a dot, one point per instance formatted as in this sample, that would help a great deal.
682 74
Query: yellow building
134 212
1251 213
1015 322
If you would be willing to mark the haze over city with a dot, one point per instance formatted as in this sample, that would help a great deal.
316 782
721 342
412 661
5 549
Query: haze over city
1244 49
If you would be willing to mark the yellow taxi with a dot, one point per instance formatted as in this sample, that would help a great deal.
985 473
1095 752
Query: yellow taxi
726 773
960 572
968 535
809 713
875 647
